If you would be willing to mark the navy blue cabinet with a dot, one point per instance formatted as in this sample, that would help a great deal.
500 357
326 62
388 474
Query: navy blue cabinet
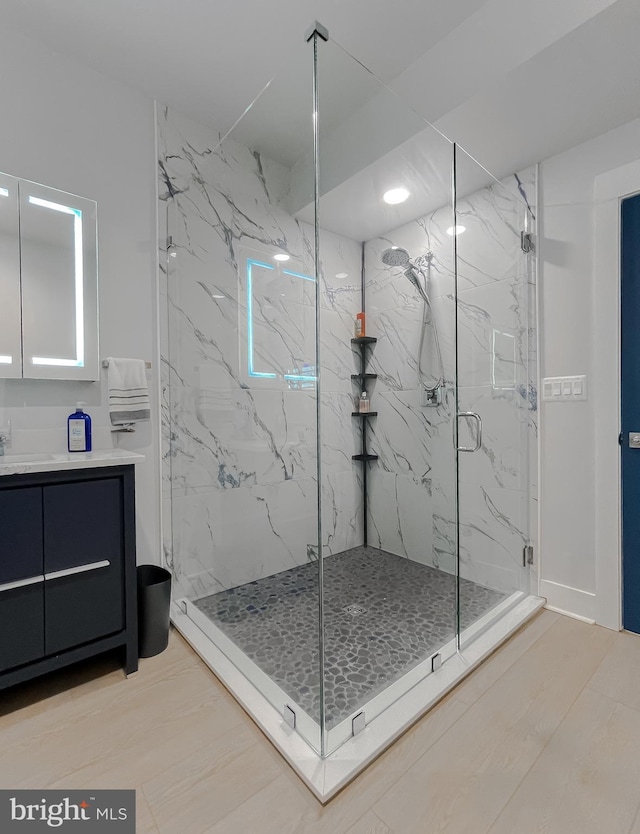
67 569
21 577
83 562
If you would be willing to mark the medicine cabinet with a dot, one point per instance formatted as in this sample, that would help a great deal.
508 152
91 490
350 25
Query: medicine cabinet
48 283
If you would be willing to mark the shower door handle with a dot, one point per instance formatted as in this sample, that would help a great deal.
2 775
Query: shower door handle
474 415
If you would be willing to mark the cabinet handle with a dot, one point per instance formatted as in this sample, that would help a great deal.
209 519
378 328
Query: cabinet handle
58 574
21 583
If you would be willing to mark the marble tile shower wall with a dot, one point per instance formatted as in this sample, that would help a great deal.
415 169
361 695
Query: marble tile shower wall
238 338
413 486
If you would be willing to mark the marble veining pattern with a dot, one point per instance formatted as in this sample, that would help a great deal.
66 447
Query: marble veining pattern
489 331
238 446
239 417
383 615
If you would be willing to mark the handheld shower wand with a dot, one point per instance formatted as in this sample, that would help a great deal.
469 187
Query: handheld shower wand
414 270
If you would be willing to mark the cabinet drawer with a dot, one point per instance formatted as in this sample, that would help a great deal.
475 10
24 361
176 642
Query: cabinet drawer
82 523
82 606
83 562
20 534
21 625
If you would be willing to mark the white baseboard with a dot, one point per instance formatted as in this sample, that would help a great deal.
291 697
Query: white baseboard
570 601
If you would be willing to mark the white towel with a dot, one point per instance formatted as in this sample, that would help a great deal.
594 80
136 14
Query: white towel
128 391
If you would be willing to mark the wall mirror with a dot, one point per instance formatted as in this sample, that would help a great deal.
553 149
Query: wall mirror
48 283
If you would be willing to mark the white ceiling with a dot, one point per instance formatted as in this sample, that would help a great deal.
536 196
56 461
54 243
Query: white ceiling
512 81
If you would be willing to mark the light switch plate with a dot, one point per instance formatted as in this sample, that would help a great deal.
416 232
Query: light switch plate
564 388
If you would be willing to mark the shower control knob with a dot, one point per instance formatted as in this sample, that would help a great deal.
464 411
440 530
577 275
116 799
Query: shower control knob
634 440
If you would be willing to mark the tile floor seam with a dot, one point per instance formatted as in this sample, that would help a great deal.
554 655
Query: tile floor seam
544 747
239 805
467 707
611 698
496 653
370 811
336 798
635 819
150 807
497 817
524 776
178 762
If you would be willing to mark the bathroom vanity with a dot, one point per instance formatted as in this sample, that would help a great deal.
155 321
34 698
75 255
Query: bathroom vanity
67 561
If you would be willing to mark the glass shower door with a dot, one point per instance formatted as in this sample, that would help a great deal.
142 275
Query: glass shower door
496 406
388 473
240 383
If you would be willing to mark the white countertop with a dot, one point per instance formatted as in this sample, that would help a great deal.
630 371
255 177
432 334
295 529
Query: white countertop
43 462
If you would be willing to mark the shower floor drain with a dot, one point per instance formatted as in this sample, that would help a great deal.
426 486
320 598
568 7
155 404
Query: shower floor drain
354 610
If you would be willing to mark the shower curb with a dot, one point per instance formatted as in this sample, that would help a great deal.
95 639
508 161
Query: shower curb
325 777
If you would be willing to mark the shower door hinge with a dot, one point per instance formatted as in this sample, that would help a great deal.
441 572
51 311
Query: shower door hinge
526 242
527 555
169 242
358 723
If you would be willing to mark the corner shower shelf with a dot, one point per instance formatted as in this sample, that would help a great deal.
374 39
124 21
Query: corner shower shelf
365 456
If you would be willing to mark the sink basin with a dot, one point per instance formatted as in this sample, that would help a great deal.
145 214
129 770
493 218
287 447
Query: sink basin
10 459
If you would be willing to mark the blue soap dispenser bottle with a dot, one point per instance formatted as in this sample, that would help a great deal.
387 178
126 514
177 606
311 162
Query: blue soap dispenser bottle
79 430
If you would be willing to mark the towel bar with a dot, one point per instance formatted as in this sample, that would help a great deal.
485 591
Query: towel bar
105 364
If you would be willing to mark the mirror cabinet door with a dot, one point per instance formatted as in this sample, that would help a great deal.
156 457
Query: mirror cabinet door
10 319
58 254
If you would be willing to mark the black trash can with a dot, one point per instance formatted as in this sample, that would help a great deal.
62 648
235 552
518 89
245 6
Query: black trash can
154 598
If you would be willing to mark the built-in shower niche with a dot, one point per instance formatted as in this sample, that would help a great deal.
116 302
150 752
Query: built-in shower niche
421 545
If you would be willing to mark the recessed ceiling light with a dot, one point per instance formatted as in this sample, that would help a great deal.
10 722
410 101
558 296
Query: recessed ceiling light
456 230
395 196
342 275
281 257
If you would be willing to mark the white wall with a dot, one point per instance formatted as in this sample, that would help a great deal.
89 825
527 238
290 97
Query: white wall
73 129
568 506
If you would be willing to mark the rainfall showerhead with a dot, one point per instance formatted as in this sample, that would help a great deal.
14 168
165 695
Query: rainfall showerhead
396 257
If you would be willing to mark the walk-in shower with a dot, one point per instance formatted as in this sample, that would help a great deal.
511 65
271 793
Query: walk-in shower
341 568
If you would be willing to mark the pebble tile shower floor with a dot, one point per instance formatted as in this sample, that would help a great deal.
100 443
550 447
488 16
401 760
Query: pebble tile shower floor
383 615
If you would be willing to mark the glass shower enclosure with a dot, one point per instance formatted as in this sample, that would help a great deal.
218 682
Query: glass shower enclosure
335 554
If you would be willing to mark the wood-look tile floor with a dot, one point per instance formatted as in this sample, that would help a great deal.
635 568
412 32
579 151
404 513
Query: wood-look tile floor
544 737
